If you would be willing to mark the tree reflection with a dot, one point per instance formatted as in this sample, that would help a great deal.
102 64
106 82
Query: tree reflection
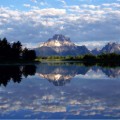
15 73
29 70
58 74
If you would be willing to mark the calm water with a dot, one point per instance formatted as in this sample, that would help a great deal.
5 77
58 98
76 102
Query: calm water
61 91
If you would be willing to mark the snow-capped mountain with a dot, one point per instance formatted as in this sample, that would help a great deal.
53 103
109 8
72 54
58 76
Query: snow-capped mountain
60 45
108 48
58 41
111 48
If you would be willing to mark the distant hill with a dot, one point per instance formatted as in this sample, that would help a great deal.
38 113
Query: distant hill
62 46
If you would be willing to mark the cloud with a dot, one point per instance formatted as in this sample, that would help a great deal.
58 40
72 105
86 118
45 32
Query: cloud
90 6
43 3
26 5
52 12
80 22
115 5
92 44
62 1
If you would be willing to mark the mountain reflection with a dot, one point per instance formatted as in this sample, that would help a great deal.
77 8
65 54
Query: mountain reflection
15 73
60 74
81 99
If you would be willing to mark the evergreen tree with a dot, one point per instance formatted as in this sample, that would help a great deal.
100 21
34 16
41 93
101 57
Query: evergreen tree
5 49
16 50
28 54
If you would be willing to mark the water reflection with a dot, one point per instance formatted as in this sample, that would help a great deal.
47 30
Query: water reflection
15 73
35 97
60 74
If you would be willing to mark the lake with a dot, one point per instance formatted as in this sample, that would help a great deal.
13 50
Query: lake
59 91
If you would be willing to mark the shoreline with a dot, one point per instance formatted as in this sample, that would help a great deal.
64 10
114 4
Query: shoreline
87 63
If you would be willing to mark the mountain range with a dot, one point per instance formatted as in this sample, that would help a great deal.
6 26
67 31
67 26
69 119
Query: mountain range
61 45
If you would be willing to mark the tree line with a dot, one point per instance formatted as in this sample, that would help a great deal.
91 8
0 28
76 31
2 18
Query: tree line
87 57
15 51
104 59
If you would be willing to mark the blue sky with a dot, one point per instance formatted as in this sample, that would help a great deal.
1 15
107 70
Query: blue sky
84 21
19 4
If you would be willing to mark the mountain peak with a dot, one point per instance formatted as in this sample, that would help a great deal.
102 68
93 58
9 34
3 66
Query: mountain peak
59 37
62 46
111 47
112 43
58 40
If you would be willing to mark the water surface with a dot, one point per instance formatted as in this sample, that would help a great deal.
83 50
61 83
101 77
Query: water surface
60 91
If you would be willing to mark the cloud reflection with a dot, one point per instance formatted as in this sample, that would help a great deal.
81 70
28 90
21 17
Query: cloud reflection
35 97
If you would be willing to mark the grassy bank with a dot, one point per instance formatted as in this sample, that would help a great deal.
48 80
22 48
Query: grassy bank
88 60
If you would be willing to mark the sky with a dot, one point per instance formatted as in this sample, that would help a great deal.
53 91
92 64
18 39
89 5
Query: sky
89 22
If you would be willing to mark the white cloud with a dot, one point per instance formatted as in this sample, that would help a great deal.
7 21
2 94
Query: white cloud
26 5
90 6
115 5
79 22
92 44
49 11
62 1
43 3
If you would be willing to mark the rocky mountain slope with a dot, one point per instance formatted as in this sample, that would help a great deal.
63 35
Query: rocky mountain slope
111 48
108 48
60 45
95 51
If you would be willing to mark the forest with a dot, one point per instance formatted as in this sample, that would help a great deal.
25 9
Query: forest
15 51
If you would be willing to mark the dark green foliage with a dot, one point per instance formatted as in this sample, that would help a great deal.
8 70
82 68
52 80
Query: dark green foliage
111 59
5 49
14 51
89 57
28 54
69 57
